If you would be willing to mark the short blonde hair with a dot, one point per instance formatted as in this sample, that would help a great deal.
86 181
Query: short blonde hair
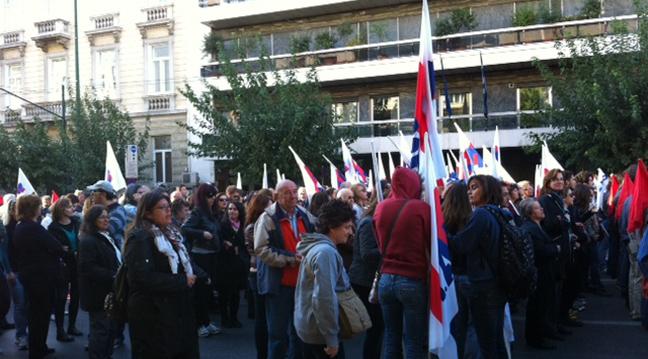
28 207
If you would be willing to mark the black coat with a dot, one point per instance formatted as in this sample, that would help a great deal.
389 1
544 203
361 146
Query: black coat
233 263
160 307
366 256
556 225
199 222
545 251
97 266
70 257
36 254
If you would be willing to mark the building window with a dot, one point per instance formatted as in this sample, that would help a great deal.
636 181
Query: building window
346 112
13 81
385 109
460 104
533 98
159 68
56 76
105 73
162 159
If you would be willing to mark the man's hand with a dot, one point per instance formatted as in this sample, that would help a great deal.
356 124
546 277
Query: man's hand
207 235
331 351
191 280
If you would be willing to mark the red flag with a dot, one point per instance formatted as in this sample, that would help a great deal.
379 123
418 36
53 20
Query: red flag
639 199
55 197
614 189
626 190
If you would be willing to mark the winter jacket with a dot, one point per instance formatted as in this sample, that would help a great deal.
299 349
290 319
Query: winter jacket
233 263
407 253
160 306
199 222
545 251
58 231
97 267
366 256
270 249
117 223
479 241
37 254
321 277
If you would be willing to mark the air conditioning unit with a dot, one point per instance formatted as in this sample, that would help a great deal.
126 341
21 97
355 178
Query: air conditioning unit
190 178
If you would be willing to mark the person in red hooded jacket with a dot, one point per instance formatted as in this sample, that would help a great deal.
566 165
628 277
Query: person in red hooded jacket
402 224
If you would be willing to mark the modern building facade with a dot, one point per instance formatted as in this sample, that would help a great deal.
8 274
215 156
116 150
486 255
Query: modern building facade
366 54
136 53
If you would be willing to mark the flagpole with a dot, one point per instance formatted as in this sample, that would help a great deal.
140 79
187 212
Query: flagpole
376 176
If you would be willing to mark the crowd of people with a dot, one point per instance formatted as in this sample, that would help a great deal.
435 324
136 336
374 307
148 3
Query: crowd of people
189 256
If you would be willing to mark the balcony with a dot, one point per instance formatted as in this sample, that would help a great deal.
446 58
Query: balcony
159 16
54 31
31 111
107 24
9 116
13 40
459 50
160 103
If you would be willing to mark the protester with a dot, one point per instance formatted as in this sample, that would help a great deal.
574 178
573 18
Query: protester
99 259
302 197
256 207
38 257
9 220
65 228
220 206
232 265
526 189
160 314
132 196
366 261
46 203
233 193
180 212
202 231
545 254
346 195
360 200
276 234
318 200
321 277
479 242
403 231
104 194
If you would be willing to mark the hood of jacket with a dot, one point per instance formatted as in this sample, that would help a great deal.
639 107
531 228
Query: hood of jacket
406 184
310 240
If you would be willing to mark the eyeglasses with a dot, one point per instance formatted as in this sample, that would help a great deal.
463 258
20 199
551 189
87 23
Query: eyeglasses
211 195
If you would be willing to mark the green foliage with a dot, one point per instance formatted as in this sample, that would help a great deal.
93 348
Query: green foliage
601 85
324 41
212 44
299 44
591 9
256 121
379 29
525 16
345 30
459 20
64 160
546 15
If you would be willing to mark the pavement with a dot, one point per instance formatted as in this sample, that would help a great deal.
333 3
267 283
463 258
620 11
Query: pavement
608 334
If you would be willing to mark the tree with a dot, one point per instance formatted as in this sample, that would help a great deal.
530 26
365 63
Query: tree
54 158
262 114
601 85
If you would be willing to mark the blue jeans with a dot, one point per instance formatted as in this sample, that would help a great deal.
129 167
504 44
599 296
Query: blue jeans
20 310
486 304
404 304
282 337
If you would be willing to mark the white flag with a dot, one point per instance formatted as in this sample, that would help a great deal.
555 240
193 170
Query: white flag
548 161
113 173
392 168
310 182
265 176
278 177
239 183
24 186
381 168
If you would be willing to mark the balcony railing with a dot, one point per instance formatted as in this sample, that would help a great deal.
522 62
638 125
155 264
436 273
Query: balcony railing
10 116
55 30
102 25
52 26
469 123
456 42
13 39
31 111
156 16
160 103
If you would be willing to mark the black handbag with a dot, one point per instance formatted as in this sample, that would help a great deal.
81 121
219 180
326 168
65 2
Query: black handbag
116 302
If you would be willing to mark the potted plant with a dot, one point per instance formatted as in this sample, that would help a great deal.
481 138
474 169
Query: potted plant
326 41
299 44
212 44
346 34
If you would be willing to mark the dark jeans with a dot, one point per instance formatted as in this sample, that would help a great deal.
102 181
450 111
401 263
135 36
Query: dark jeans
203 293
486 304
229 298
316 351
260 326
373 338
40 299
624 270
405 312
282 337
100 343
462 328
62 290
537 308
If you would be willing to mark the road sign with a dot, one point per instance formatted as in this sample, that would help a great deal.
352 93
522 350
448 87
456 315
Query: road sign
131 161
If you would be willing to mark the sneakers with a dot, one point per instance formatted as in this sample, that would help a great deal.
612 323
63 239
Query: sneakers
203 332
21 343
213 329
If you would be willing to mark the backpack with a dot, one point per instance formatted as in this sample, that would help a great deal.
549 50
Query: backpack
116 302
517 274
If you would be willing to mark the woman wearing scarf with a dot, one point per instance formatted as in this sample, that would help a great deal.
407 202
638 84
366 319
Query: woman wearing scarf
232 265
160 277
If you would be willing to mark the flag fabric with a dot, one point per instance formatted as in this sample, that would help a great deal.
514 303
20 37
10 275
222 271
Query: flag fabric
452 169
443 298
278 176
310 181
392 167
404 150
382 175
627 187
113 172
495 168
55 197
467 150
362 176
337 177
600 183
370 186
548 161
264 182
425 110
239 183
614 189
24 186
496 146
350 171
539 176
639 199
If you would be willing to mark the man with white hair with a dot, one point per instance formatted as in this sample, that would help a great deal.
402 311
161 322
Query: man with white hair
276 234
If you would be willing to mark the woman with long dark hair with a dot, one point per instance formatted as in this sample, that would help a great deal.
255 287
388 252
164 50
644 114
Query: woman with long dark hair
65 228
479 242
99 259
232 267
160 277
202 231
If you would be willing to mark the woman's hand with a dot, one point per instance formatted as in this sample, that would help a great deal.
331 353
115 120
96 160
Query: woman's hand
228 244
331 351
207 235
191 280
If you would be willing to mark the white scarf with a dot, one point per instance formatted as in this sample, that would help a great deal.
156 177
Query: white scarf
164 245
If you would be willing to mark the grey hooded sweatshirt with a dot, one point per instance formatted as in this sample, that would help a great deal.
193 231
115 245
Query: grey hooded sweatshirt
321 277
